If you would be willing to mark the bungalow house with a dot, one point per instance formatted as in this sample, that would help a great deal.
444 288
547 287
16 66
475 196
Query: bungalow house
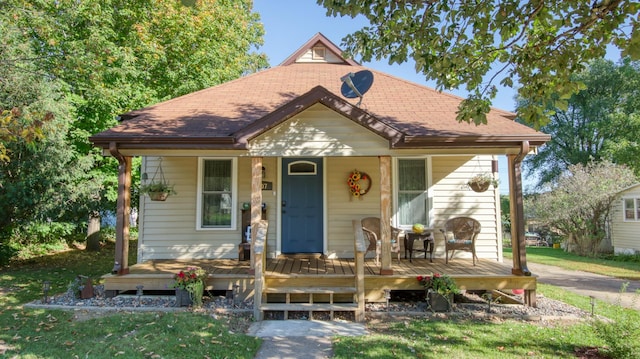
291 145
625 221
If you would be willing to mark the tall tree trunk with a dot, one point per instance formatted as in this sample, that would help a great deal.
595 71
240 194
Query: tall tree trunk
93 232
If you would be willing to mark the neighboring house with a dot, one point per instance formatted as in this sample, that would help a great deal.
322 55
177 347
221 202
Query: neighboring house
288 138
625 221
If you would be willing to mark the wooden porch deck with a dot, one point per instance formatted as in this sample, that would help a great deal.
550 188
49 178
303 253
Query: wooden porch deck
225 274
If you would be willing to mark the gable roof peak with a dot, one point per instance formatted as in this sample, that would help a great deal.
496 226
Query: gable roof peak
330 52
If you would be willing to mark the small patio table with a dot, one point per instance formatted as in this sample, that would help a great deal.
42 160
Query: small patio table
427 239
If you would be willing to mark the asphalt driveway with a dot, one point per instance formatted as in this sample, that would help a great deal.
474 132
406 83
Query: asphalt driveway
599 286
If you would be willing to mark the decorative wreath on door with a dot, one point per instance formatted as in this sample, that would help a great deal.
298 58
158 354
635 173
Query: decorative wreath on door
359 183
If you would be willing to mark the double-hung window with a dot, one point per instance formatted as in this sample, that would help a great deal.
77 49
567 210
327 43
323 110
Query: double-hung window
216 195
632 209
413 199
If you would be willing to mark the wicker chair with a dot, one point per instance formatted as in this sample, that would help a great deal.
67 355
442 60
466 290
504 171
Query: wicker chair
371 229
460 233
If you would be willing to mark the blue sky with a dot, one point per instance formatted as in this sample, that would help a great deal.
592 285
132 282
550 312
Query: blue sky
290 23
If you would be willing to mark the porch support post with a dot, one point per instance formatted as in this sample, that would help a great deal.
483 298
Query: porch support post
496 193
517 212
123 211
385 215
360 249
256 204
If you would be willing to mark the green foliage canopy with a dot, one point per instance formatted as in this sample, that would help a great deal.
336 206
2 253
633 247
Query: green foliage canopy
539 44
602 121
24 112
580 203
97 59
118 55
40 179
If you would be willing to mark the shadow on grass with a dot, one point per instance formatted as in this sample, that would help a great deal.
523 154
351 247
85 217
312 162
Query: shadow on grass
467 339
21 281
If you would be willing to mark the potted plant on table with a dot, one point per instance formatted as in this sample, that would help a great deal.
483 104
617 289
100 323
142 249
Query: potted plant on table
481 182
440 289
189 286
157 191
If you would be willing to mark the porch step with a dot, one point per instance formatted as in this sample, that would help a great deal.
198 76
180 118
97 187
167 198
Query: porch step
310 308
308 290
306 299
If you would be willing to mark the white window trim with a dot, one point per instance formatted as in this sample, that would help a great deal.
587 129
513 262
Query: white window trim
396 174
234 195
635 199
313 164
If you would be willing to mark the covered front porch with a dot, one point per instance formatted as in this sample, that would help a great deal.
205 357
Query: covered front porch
306 271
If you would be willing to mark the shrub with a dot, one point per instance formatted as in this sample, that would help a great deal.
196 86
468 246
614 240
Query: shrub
628 258
43 232
7 251
36 239
621 333
620 336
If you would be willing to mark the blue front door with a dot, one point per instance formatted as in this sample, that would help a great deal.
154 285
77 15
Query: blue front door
302 205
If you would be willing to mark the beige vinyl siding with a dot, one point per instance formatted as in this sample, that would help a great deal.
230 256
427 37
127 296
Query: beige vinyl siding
625 234
453 198
168 229
318 132
342 207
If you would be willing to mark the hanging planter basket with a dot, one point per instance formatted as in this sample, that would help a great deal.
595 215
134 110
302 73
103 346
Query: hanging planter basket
479 186
158 196
158 189
482 182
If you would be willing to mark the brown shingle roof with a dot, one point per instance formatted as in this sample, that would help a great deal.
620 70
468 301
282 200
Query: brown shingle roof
227 115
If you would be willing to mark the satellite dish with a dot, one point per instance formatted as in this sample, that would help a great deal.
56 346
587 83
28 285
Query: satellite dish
356 85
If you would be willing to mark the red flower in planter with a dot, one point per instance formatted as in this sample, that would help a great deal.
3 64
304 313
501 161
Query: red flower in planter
192 275
440 283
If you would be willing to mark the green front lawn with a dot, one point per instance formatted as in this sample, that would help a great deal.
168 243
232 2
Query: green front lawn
467 339
434 338
63 334
57 334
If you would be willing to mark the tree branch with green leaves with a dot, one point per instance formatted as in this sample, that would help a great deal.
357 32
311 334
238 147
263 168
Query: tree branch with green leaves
532 45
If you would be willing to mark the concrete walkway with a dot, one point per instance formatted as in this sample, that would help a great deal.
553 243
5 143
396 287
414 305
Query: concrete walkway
284 339
599 286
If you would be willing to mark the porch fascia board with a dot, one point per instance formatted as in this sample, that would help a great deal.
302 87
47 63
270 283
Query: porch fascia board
441 140
397 139
167 142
